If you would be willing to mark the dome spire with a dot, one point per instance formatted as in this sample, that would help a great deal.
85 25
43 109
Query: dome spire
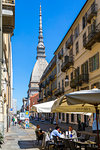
40 47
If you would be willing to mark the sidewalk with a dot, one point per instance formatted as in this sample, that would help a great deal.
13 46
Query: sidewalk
18 138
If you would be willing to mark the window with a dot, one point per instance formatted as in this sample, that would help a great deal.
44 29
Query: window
76 32
71 75
59 115
77 72
63 117
84 39
77 47
67 83
78 117
84 20
58 68
62 83
94 62
71 53
67 118
59 85
84 68
72 117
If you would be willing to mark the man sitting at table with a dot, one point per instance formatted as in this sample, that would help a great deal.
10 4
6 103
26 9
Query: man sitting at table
55 132
72 133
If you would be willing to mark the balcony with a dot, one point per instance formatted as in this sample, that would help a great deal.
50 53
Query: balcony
49 93
51 78
69 43
73 84
60 55
78 81
68 62
8 16
59 91
92 38
92 12
40 100
47 82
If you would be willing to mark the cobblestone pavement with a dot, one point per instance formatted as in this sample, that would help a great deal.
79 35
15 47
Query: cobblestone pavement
46 125
18 138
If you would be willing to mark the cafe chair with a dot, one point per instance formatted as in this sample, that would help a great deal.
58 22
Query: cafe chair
38 138
50 144
66 144
87 136
73 146
59 145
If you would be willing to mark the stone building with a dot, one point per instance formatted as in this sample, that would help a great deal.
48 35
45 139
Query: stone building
40 64
7 25
78 58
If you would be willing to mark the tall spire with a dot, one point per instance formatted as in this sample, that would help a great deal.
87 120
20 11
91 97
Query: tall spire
40 47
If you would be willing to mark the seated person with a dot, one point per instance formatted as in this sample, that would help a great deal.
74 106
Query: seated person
55 132
39 133
72 133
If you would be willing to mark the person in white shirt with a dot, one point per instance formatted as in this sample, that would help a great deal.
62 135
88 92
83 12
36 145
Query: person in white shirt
72 133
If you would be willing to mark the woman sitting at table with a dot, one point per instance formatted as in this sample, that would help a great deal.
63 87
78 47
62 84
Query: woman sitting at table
72 133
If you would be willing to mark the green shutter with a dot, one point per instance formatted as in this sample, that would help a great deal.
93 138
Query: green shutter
97 60
90 64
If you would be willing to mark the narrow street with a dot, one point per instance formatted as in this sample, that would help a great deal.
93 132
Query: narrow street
18 138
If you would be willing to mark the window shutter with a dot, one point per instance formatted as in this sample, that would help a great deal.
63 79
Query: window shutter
90 64
97 60
86 69
82 69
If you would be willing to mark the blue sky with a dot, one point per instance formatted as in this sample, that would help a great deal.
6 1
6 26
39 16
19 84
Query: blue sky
58 15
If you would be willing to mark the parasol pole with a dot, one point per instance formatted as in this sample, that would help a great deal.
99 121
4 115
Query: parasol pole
97 113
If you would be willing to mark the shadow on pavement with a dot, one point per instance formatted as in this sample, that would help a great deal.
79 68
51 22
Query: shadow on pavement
27 144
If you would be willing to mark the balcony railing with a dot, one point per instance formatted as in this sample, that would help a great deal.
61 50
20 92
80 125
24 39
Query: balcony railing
8 16
79 80
49 93
40 99
59 91
8 1
51 78
68 62
60 55
91 12
69 43
92 38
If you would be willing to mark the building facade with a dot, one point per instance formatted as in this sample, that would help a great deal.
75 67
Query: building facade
48 83
7 25
77 60
78 56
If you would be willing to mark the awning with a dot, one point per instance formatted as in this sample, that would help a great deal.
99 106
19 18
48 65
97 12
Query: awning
43 107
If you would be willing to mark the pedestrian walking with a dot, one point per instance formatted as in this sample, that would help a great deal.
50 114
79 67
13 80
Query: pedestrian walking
15 121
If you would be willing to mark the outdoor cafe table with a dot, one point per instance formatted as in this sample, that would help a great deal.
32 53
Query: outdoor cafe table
79 143
85 144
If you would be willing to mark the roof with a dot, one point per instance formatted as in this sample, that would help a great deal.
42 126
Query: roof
38 69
